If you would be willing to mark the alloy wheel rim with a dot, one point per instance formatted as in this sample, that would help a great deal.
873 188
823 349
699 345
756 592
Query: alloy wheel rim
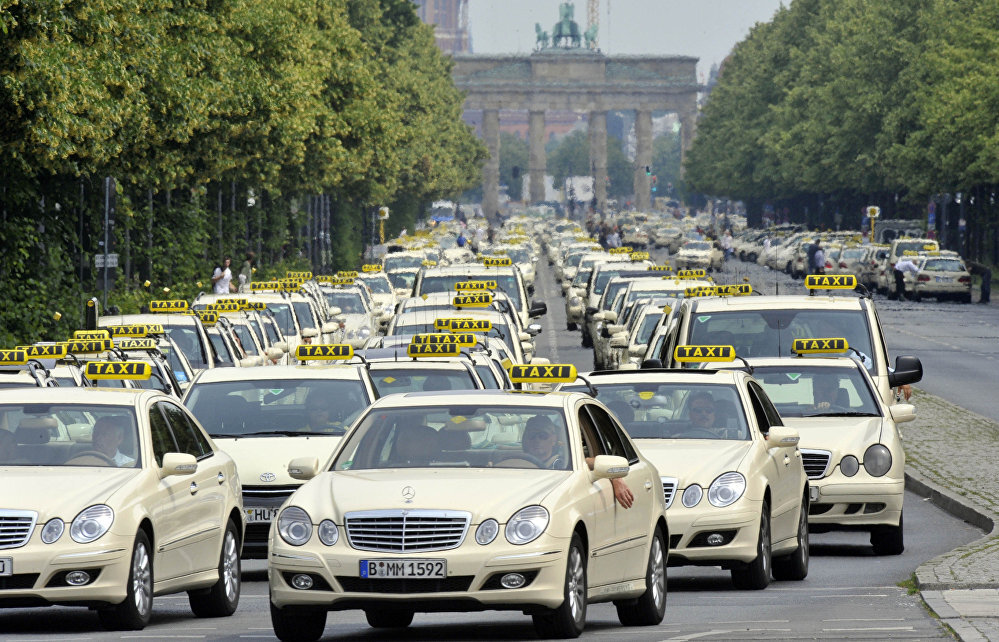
141 580
765 544
230 567
657 573
803 535
576 585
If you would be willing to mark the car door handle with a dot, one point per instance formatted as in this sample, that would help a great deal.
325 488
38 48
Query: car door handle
221 477
194 488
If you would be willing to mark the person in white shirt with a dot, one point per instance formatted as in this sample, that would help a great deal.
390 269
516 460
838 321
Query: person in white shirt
222 277
902 266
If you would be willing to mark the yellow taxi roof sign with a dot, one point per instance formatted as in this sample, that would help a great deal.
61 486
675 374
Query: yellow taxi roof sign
304 276
444 323
256 305
208 317
464 340
831 281
429 263
736 289
639 256
91 334
118 370
692 274
223 306
171 305
547 373
259 286
335 280
347 274
700 354
89 346
482 300
15 357
658 268
137 344
700 290
324 352
825 345
47 351
470 325
371 267
475 285
417 350
497 261
135 329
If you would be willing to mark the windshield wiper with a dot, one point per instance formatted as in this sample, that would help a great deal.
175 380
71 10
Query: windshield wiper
842 414
262 433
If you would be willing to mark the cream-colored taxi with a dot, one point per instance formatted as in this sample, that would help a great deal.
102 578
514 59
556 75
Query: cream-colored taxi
850 442
112 496
699 255
406 516
263 417
732 476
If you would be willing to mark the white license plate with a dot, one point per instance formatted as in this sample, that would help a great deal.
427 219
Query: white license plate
260 515
942 279
6 566
386 569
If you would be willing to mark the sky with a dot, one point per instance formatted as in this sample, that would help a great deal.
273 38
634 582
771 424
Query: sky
705 29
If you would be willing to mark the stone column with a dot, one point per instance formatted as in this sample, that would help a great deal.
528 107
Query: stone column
643 157
490 171
598 156
688 127
537 162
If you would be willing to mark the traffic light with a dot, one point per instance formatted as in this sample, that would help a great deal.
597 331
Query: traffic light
648 171
654 178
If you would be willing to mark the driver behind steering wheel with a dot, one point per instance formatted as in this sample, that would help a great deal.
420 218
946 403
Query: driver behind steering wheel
108 434
540 441
825 391
702 414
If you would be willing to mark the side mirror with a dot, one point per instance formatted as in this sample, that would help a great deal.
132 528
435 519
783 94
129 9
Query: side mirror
615 329
907 370
534 329
524 336
178 464
637 351
902 412
527 347
309 333
304 468
329 327
610 467
619 341
610 316
273 353
335 311
782 437
652 364
537 309
249 362
281 345
539 361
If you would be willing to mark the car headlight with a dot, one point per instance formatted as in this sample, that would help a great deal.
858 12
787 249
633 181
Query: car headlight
877 460
91 523
726 489
487 532
295 526
527 525
364 332
849 465
53 530
692 496
328 532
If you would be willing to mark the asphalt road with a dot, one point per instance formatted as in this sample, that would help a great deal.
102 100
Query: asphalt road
848 594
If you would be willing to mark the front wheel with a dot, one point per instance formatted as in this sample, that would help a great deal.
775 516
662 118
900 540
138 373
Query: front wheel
222 598
756 574
795 566
650 608
297 625
568 620
888 540
137 609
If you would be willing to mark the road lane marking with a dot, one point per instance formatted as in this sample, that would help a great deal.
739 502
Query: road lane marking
694 636
870 628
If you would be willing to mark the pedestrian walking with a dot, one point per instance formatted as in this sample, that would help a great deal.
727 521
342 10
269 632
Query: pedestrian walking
726 243
222 277
903 266
982 270
819 260
812 249
246 272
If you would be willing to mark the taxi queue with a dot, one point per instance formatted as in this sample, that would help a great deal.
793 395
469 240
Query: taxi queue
410 453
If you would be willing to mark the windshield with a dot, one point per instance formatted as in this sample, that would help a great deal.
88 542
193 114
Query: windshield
285 321
675 410
944 265
506 282
402 280
603 276
456 436
277 406
378 284
769 333
389 380
499 330
803 391
395 262
914 246
853 253
187 340
519 255
68 435
304 314
697 245
348 302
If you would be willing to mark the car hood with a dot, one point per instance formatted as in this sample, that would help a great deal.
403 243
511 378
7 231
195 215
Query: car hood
255 457
60 491
839 435
470 490
694 461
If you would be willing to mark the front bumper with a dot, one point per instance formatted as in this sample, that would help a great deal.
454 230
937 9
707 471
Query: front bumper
39 571
849 505
472 573
738 524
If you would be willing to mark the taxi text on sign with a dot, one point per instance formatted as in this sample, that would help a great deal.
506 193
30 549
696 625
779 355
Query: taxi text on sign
694 354
551 373
819 346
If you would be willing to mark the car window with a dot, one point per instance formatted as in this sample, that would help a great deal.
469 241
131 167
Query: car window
801 391
184 432
614 442
162 438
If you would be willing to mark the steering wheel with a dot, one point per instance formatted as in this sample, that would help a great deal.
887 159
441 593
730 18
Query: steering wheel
696 433
90 453
521 456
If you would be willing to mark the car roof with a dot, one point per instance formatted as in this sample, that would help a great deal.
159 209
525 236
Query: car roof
663 375
79 395
333 371
778 302
538 399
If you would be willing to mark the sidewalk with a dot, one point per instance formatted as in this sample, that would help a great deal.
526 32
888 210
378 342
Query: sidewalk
952 456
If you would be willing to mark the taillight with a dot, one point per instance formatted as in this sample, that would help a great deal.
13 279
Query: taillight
828 265
964 279
922 278
842 264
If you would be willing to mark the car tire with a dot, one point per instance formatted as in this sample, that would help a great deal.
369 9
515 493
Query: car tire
650 608
389 618
795 566
570 326
569 619
298 625
587 340
916 296
888 540
965 298
136 610
756 574
222 598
